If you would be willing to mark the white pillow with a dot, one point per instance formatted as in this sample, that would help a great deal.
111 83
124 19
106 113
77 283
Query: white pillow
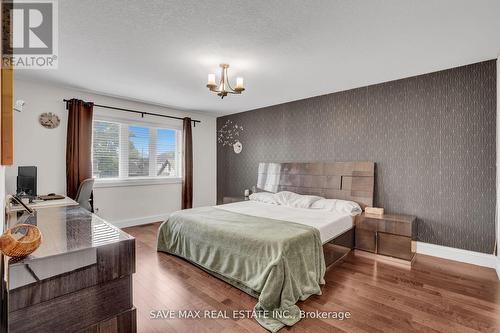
290 199
341 206
264 197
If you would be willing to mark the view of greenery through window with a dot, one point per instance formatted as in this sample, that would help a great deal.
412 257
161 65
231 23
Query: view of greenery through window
105 149
142 142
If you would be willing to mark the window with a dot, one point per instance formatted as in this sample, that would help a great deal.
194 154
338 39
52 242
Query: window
122 150
138 151
105 149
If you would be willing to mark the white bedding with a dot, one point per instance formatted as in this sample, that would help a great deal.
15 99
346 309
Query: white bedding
329 224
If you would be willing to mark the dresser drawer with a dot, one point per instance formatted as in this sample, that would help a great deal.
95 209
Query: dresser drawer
366 240
394 246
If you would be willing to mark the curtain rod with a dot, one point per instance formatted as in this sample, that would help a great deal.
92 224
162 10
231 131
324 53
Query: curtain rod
142 113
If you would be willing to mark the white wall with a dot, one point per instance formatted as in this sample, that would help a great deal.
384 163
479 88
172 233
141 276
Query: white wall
46 148
2 197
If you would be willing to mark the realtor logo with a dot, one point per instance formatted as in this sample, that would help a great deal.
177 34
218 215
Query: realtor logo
32 34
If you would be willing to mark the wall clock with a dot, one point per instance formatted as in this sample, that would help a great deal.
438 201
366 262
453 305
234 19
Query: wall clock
49 120
237 147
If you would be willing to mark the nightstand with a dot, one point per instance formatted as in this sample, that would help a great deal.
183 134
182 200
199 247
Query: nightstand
389 234
227 200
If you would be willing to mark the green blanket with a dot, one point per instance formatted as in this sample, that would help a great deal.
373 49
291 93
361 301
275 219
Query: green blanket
277 262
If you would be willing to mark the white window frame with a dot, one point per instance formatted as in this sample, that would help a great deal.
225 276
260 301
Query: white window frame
123 180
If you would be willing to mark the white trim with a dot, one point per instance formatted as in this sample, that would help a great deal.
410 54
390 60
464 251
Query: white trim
116 182
469 257
139 221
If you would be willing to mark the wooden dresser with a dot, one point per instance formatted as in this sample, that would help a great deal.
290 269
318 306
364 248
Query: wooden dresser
389 234
78 280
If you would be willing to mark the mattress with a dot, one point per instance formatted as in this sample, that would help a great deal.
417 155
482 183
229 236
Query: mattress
329 224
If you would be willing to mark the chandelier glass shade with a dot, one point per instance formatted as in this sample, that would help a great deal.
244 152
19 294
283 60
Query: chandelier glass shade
224 87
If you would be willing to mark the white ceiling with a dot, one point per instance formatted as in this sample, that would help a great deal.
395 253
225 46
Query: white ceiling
161 51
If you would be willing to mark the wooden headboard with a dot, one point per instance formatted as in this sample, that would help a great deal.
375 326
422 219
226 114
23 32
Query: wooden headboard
333 180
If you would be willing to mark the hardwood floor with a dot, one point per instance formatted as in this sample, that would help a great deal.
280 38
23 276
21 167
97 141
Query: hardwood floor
435 295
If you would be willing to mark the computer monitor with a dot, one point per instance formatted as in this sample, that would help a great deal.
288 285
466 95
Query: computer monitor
26 180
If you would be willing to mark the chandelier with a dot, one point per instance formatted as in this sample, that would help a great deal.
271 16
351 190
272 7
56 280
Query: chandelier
224 88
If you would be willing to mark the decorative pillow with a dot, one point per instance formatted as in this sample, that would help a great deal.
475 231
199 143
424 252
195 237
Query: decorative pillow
264 197
342 206
290 199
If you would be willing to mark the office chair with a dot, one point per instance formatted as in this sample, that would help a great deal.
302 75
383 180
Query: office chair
84 194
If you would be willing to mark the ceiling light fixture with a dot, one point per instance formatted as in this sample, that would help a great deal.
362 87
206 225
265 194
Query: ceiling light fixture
224 88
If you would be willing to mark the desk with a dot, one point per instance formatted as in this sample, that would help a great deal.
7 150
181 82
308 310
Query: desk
45 204
83 272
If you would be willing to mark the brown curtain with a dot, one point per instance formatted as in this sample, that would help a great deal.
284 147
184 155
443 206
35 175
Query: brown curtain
187 165
78 144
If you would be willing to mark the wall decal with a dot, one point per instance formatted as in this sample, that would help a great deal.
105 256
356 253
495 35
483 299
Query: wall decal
229 134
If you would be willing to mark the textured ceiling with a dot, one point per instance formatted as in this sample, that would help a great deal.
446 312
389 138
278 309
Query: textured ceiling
161 51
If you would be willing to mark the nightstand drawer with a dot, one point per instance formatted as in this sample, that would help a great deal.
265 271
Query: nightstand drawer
394 246
366 240
227 200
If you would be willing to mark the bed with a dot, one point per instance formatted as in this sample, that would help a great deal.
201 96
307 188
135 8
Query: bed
274 253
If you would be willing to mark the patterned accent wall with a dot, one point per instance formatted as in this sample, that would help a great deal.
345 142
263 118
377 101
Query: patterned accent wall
432 138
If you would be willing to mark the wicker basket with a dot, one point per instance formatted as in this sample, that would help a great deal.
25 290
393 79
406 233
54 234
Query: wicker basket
23 246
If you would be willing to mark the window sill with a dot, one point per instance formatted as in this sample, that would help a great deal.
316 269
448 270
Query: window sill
105 183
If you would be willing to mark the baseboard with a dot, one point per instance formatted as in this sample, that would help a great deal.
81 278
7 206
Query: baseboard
139 221
469 257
